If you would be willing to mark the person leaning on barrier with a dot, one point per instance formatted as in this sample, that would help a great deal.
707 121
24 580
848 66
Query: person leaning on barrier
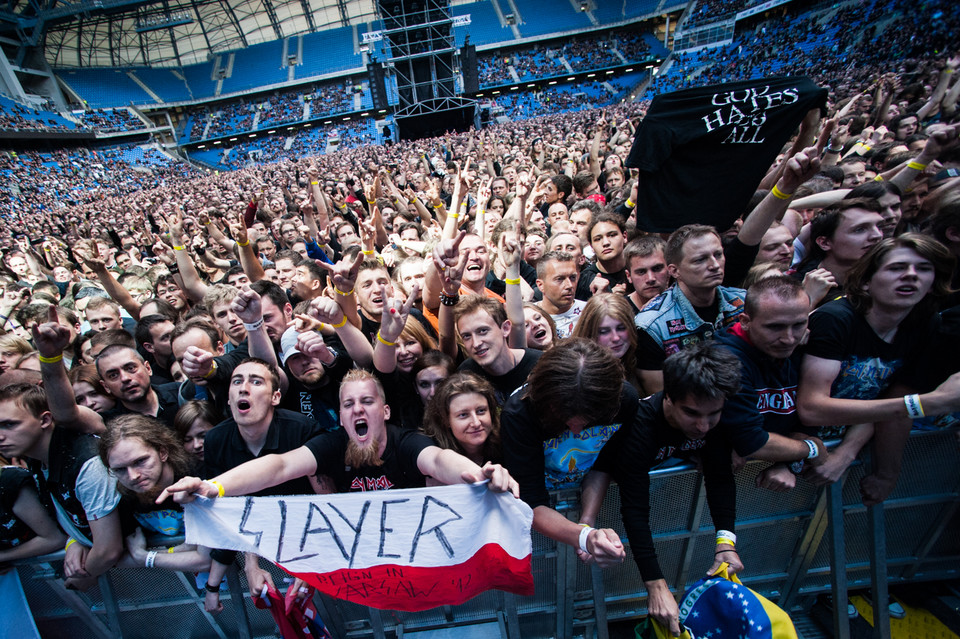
676 422
555 428
761 421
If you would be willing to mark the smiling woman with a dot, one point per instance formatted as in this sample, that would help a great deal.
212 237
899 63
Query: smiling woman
463 416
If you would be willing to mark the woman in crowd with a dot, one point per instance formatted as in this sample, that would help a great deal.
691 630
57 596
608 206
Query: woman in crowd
87 389
540 327
191 423
429 371
12 348
607 319
463 416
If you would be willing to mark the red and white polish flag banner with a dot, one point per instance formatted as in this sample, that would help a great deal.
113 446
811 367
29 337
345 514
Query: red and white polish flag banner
408 550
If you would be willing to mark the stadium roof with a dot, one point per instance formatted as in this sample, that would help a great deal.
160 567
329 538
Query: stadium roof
121 33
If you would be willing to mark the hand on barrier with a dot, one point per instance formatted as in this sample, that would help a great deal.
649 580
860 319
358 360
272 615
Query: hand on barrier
777 478
605 546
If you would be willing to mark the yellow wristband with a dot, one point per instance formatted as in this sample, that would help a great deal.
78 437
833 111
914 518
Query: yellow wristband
630 204
342 323
245 243
170 550
916 165
339 292
866 147
453 215
780 195
514 281
51 360
177 248
314 183
879 178
367 252
383 341
213 370
70 542
218 486
205 223
412 202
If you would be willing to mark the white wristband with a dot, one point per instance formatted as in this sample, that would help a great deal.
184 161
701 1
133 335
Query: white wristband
914 407
726 535
814 451
151 558
254 326
584 534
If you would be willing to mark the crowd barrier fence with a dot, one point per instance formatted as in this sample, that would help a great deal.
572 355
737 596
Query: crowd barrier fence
790 544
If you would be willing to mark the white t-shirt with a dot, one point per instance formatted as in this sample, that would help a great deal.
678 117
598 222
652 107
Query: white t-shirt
567 321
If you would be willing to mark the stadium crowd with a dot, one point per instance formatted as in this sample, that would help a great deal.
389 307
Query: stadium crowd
482 304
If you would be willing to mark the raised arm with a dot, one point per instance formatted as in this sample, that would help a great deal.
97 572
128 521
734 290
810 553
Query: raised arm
392 323
90 255
510 251
51 339
329 312
193 286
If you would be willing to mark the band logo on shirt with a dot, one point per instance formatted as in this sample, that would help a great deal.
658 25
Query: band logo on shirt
780 401
370 483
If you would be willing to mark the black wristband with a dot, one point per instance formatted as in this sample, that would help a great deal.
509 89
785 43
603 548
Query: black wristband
174 270
213 589
449 300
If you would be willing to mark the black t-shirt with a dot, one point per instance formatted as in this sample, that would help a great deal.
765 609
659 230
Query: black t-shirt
406 408
540 464
701 152
868 364
224 448
590 273
168 396
398 470
13 531
651 441
738 258
504 385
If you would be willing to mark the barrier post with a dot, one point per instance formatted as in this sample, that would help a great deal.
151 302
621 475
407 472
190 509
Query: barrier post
838 560
880 593
238 600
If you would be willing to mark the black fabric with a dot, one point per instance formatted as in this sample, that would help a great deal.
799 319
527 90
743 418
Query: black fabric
590 272
868 364
525 450
169 398
406 408
651 441
69 451
701 152
767 400
738 258
224 448
399 468
13 532
504 385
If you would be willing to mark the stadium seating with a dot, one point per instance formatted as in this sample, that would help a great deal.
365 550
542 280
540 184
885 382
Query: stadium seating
166 83
256 66
485 26
541 17
328 51
101 88
15 116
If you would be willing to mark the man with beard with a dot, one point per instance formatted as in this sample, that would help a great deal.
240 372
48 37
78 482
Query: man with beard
366 454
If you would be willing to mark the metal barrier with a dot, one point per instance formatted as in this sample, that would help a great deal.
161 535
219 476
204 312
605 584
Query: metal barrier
789 542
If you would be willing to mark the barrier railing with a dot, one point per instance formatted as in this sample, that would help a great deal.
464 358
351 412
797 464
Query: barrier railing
790 544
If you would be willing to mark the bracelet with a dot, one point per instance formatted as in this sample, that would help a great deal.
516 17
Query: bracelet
916 165
368 252
865 147
437 206
914 407
342 323
724 550
70 542
151 558
449 300
879 178
796 467
513 280
207 586
220 489
584 534
347 294
814 451
383 341
780 195
412 202
170 550
177 248
453 215
315 184
213 369
205 223
726 537
244 243
252 326
371 201
51 360
830 149
630 204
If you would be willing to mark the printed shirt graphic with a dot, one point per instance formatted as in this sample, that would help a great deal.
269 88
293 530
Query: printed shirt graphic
701 152
570 456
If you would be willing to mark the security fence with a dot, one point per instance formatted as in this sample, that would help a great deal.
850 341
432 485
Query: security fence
791 544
